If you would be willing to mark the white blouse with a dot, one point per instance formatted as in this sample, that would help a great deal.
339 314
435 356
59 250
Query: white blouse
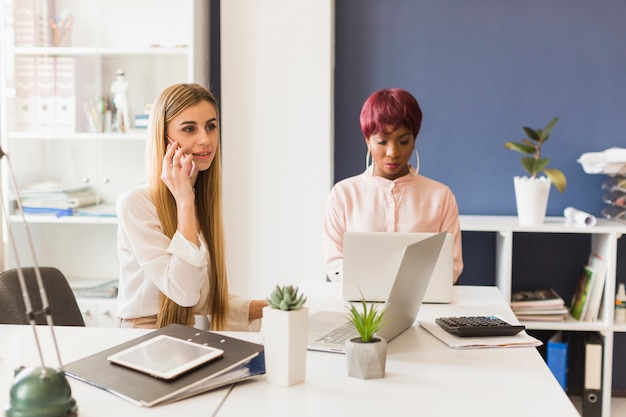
151 263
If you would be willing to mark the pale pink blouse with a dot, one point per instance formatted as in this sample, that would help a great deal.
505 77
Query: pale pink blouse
368 203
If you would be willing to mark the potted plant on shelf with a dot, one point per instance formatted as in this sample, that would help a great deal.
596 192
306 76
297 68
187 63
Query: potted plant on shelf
531 193
366 355
285 322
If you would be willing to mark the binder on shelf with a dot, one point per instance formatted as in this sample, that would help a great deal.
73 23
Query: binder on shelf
25 105
592 379
241 360
557 357
44 94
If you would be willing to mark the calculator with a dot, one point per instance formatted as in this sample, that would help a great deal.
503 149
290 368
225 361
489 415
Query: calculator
478 326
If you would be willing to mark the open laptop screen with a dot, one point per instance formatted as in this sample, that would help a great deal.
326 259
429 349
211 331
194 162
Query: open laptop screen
371 259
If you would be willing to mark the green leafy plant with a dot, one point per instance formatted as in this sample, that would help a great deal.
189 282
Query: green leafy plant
534 164
286 298
367 321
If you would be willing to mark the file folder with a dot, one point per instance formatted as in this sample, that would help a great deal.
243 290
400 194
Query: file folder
592 385
556 357
241 361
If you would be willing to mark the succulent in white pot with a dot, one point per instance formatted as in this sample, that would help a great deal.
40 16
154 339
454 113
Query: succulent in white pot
285 323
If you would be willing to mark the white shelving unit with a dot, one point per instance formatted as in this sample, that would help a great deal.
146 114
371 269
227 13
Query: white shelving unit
604 239
156 43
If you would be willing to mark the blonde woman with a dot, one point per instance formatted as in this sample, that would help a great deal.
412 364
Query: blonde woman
170 237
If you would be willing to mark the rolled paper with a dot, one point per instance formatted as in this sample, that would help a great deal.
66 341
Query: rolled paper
579 217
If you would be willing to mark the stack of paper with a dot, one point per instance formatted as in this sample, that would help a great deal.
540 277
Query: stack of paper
51 197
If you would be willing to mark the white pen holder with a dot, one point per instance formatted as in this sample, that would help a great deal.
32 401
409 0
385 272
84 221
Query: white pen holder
579 217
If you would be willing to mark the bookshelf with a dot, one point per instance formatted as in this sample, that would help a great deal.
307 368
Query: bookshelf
44 127
603 239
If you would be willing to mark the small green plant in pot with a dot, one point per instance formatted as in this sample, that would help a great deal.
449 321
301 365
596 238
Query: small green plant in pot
285 322
534 163
366 355
286 298
367 321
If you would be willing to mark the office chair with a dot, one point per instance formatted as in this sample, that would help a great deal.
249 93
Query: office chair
61 300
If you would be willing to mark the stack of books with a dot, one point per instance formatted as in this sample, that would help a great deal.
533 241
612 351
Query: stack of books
543 304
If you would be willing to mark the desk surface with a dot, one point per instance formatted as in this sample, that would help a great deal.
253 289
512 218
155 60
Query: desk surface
422 374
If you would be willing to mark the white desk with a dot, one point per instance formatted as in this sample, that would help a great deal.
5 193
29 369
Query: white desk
423 375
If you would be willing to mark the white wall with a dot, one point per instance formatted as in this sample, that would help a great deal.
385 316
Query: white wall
276 103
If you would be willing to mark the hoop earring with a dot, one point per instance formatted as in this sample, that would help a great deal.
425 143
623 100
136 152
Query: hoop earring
367 158
417 162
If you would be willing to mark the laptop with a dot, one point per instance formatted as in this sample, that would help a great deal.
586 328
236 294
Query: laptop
370 261
412 276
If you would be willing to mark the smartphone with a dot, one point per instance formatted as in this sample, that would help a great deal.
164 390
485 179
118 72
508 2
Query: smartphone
193 165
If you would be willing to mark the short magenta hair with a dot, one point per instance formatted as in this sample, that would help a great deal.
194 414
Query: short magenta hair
390 107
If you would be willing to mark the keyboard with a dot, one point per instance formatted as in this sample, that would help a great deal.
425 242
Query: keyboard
340 334
478 326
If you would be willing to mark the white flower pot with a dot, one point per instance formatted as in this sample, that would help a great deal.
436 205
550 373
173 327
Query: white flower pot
531 197
366 360
285 342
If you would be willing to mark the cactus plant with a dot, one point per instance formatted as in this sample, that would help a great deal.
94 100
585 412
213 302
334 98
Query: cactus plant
286 298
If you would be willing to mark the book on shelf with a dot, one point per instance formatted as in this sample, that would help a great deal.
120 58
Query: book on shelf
587 297
536 298
240 361
581 293
592 310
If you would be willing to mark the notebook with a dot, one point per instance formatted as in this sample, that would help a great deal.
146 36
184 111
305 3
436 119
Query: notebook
370 261
412 276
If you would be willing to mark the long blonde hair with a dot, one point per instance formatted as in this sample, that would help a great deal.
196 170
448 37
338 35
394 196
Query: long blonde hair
208 201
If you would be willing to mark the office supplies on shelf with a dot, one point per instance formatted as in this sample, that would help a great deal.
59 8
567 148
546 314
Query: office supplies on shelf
579 217
371 259
241 360
478 326
592 389
403 303
557 357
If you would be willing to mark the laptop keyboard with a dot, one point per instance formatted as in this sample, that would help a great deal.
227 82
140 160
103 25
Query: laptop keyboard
340 334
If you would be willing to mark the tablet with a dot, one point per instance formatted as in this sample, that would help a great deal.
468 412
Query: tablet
165 357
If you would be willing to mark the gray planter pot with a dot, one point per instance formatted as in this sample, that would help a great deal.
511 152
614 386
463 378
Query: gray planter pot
366 360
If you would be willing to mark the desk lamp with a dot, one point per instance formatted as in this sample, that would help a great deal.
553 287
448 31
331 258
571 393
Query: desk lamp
38 391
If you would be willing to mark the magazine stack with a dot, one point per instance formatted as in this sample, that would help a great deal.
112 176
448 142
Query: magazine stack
543 304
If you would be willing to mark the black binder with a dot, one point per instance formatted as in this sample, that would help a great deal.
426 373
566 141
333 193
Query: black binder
241 360
592 385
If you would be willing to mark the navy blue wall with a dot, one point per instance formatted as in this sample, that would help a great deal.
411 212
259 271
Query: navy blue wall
481 70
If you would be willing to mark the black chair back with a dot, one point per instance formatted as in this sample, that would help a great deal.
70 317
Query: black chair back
62 301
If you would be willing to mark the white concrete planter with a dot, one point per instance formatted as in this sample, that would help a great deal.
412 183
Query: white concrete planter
531 197
366 360
285 341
